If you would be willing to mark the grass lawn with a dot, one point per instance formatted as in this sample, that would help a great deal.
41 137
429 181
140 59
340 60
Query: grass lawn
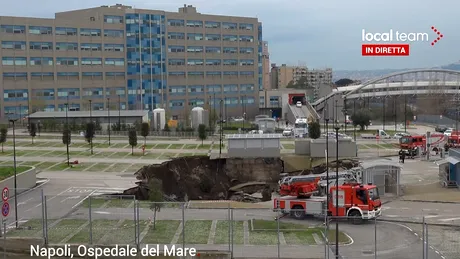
120 203
99 167
388 145
119 154
222 229
205 146
6 171
45 165
30 163
57 153
81 167
56 144
363 147
99 226
101 145
122 233
161 146
175 146
167 155
31 228
33 153
373 146
162 234
103 154
273 225
184 154
196 231
343 239
96 202
64 228
190 146
59 167
288 146
134 167
81 144
118 145
121 167
150 155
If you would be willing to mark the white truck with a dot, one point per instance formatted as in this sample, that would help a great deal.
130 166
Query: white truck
380 133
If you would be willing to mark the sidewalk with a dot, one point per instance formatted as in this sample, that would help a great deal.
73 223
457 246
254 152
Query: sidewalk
88 160
113 150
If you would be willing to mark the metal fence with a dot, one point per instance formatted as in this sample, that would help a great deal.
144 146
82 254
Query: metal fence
435 120
221 228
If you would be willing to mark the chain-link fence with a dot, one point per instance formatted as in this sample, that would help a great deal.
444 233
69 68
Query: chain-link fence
94 217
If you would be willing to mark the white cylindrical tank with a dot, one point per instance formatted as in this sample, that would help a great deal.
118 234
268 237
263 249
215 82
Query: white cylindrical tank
159 119
199 116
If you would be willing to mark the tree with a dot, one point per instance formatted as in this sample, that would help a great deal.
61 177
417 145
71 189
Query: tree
202 132
166 128
132 134
314 130
3 135
156 196
33 131
145 130
89 134
301 83
66 137
344 82
361 118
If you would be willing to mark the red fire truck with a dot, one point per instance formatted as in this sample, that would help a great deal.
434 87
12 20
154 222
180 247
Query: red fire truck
453 141
410 144
357 202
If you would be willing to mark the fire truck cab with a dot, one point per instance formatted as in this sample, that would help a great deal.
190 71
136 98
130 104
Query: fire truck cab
357 202
412 145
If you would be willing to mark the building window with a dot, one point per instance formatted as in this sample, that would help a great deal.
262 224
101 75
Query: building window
176 104
196 89
98 92
91 75
231 73
214 25
177 89
176 49
246 62
212 49
230 50
20 45
246 26
72 93
91 61
15 95
247 88
114 47
230 88
114 33
214 73
194 49
176 35
194 36
176 23
247 73
68 75
120 62
261 100
13 29
233 38
246 50
195 74
195 62
176 62
66 46
114 75
14 61
41 61
115 91
213 37
229 25
113 19
245 38
90 32
230 62
213 62
196 102
90 47
40 30
67 61
66 31
248 100
195 24
42 76
41 45
214 88
45 94
177 74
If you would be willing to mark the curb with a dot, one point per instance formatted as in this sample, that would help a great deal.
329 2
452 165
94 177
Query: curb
32 189
442 202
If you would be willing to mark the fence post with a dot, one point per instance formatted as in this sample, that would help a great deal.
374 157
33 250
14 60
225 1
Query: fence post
43 216
278 231
90 222
375 238
136 237
231 214
229 229
427 241
423 237
4 238
183 225
46 221
138 223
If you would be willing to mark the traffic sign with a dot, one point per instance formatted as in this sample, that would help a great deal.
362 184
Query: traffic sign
5 194
5 209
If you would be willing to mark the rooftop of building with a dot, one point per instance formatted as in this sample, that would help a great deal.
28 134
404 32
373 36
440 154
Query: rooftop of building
254 136
86 114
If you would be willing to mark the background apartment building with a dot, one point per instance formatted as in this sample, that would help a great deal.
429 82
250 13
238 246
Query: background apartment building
129 58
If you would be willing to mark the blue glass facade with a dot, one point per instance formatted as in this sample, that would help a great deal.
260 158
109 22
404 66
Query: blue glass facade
145 56
261 87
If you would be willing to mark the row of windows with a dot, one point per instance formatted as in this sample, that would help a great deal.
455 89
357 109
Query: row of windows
209 49
211 62
11 95
197 89
200 102
21 45
210 24
209 37
212 73
46 30
50 75
62 61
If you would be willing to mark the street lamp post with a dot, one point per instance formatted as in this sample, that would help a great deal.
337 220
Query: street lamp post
15 174
345 113
108 116
337 191
92 126
67 131
384 113
221 132
394 108
119 113
405 113
354 113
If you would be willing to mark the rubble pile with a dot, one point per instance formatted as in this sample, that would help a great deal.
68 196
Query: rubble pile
202 178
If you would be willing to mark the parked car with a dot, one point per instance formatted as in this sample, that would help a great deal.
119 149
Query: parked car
441 128
238 119
448 132
298 104
287 132
399 135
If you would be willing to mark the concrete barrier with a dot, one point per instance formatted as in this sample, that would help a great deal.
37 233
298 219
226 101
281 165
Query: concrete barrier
25 181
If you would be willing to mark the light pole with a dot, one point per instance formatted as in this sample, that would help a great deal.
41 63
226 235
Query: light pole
394 108
405 113
345 113
20 114
383 113
214 114
119 113
15 174
326 119
92 126
67 131
337 191
221 133
354 113
108 116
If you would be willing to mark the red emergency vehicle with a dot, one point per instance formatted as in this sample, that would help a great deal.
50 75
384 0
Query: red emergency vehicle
356 201
410 144
453 141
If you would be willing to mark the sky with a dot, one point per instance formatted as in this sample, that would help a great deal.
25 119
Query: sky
318 34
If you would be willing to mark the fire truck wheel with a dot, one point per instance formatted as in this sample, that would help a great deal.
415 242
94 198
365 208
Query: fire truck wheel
355 217
298 212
